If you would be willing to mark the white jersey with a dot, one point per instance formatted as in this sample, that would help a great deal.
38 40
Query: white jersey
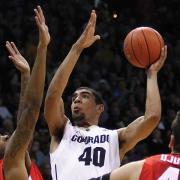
85 153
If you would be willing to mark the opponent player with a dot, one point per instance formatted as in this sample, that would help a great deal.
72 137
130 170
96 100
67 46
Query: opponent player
84 150
16 163
158 167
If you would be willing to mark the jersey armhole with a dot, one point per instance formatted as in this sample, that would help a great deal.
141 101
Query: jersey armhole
68 130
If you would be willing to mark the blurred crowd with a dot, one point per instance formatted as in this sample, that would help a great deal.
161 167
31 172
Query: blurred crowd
102 66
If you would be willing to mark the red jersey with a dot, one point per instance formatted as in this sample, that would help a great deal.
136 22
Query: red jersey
1 171
34 172
161 167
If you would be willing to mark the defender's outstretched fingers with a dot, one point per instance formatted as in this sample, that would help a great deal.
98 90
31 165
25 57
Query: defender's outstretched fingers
14 60
37 15
37 21
10 48
41 13
14 47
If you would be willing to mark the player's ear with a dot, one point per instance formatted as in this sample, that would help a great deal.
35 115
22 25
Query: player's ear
100 108
171 143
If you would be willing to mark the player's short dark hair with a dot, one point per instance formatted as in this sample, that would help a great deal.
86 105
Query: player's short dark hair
175 127
97 95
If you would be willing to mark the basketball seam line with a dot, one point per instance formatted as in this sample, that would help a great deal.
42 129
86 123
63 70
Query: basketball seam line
147 47
137 60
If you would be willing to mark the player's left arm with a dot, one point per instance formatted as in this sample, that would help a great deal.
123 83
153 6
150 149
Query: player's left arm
143 126
19 141
22 65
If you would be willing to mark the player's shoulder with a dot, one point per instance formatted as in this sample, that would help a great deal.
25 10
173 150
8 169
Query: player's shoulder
153 159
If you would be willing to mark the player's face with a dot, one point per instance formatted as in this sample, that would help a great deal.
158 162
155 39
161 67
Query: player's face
83 105
3 141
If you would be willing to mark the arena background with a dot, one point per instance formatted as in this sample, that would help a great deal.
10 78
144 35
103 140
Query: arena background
103 66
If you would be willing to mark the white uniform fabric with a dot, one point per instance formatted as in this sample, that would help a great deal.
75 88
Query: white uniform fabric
85 153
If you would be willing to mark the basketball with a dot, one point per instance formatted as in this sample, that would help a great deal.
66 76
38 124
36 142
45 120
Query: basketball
142 46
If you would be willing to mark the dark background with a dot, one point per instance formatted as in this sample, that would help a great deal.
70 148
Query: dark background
102 66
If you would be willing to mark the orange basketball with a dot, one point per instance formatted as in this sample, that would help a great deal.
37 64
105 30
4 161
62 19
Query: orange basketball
142 46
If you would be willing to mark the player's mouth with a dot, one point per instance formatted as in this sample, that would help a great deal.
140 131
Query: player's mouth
76 109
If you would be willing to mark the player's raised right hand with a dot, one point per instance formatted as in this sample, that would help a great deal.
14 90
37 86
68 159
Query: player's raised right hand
87 38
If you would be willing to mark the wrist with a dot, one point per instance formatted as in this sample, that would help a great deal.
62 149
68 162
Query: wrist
25 74
152 74
77 48
42 45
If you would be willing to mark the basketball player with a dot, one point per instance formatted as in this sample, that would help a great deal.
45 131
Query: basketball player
157 167
16 163
23 66
84 150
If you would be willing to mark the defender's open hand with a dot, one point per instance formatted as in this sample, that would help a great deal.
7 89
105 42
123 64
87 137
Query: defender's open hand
16 57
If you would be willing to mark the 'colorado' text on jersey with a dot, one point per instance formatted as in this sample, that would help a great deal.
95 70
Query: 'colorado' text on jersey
85 153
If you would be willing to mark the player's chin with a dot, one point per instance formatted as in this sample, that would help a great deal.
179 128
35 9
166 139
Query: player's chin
78 117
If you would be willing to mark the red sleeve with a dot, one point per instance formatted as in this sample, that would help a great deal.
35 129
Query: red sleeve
35 172
1 170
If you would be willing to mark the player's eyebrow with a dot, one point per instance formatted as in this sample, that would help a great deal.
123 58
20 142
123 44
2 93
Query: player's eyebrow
86 92
82 92
74 95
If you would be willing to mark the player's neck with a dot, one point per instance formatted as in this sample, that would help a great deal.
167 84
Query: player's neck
84 124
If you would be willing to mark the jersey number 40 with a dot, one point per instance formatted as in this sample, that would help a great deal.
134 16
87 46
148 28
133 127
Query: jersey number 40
95 156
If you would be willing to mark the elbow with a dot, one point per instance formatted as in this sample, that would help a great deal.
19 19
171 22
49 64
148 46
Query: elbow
154 115
154 118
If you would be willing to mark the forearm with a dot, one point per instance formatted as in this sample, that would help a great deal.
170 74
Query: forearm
19 141
144 125
63 73
36 83
153 101
24 81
